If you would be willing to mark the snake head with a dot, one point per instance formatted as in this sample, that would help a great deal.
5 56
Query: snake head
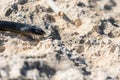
33 32
37 30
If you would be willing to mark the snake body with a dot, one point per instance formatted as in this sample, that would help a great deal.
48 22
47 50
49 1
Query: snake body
21 28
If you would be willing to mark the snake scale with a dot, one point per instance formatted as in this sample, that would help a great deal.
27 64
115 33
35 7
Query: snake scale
30 31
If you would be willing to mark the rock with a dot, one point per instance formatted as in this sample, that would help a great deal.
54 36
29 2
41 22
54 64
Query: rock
8 12
14 73
33 74
70 74
3 74
2 48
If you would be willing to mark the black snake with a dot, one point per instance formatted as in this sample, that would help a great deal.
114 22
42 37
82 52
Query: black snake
21 28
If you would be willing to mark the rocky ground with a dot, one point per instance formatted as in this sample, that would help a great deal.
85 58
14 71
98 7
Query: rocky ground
89 49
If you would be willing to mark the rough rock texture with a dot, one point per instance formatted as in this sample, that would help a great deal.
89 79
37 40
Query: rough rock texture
88 51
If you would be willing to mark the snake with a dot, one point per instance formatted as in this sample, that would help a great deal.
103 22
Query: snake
31 31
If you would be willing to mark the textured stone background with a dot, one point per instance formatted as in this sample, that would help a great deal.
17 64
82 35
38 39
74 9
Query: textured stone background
90 51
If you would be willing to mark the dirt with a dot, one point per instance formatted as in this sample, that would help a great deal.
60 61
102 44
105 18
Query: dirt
81 45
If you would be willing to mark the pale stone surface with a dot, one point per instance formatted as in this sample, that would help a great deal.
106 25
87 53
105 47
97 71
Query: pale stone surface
70 74
89 51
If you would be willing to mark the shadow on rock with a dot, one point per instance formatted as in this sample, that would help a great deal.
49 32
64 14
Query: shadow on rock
42 68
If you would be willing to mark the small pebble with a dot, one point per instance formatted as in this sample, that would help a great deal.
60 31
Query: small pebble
2 48
77 22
